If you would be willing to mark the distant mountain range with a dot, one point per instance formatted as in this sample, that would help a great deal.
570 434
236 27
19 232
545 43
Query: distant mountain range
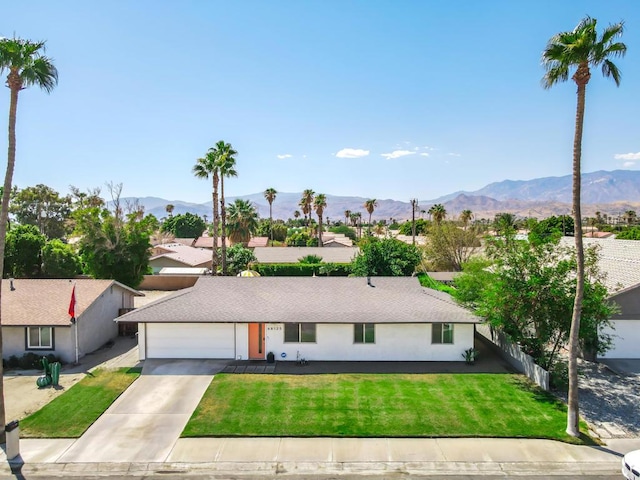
608 192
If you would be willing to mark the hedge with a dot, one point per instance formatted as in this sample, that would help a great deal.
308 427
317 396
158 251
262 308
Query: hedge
302 269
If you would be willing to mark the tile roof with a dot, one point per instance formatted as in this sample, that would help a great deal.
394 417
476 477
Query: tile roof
189 256
304 299
293 254
258 242
46 301
619 259
207 242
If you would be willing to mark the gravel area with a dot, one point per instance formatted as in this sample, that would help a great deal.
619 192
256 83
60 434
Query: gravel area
609 401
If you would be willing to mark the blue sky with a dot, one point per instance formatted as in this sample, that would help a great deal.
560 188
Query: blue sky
384 99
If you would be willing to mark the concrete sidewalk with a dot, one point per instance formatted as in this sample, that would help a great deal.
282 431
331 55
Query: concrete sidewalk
333 456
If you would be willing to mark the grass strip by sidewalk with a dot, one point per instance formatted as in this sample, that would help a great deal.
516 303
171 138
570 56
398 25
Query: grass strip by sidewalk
372 405
70 414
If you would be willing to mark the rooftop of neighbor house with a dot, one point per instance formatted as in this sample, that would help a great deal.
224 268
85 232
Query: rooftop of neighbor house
182 253
304 299
46 302
618 259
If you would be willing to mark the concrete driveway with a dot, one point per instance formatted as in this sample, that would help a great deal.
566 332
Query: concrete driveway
145 422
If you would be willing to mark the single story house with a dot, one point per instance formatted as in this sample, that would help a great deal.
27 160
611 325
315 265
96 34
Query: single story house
258 242
318 318
620 261
179 255
294 254
35 315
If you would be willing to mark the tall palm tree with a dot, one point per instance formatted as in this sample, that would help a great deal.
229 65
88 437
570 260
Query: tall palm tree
438 213
270 196
169 209
630 216
305 210
27 66
580 49
319 204
243 221
296 214
465 217
226 162
307 199
347 216
370 205
205 167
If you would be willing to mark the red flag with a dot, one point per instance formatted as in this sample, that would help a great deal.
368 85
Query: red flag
72 303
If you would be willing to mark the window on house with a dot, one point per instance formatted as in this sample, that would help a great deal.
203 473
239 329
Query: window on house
299 333
364 333
40 337
442 333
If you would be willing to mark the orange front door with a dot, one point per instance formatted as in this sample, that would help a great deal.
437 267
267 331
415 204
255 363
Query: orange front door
256 341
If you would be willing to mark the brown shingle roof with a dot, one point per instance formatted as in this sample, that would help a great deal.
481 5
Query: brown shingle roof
46 301
304 299
188 256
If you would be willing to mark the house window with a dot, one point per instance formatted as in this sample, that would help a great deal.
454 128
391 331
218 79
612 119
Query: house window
442 333
364 333
299 333
40 337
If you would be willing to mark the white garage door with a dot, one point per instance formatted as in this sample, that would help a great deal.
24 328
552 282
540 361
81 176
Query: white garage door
626 337
190 340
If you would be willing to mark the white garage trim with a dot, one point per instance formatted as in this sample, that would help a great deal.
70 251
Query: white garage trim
190 340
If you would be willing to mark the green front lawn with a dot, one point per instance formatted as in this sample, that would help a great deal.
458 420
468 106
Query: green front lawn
385 405
70 414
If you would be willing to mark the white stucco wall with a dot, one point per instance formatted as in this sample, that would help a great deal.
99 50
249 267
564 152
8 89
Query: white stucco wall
626 339
242 341
96 325
14 343
142 341
393 342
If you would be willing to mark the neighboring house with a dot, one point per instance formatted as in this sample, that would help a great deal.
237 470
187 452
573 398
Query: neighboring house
293 254
258 242
620 261
35 315
336 240
179 256
207 242
323 318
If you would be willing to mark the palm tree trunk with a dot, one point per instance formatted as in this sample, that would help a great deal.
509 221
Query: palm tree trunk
4 215
320 244
573 416
223 233
216 224
271 223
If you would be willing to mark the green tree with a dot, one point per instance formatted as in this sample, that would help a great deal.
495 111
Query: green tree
239 258
385 257
279 229
169 209
370 205
243 221
206 167
185 225
580 49
306 203
347 216
527 291
226 162
298 239
422 227
505 224
449 247
112 248
319 204
27 66
23 253
438 212
346 231
43 207
270 195
550 229
60 260
632 233
465 217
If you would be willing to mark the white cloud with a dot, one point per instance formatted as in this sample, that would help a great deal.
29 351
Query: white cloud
627 156
397 154
352 153
425 154
628 164
451 154
286 155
